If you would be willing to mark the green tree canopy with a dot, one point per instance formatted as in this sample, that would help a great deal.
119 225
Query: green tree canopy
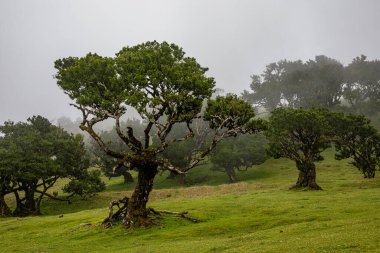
355 137
300 135
34 155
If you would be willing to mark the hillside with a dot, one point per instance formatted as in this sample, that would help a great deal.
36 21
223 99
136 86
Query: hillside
258 214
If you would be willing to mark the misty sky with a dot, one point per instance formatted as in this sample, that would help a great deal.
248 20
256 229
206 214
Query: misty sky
235 39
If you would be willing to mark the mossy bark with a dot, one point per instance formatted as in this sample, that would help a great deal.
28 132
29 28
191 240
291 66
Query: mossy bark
306 177
137 213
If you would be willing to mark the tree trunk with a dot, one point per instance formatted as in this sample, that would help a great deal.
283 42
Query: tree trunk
137 213
27 205
4 209
231 174
180 178
30 202
127 177
369 173
306 177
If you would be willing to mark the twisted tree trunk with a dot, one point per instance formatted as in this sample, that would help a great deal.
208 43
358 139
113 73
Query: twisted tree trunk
137 213
4 209
127 177
26 205
369 173
306 176
231 174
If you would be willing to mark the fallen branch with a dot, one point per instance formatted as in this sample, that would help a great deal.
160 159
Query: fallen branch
179 214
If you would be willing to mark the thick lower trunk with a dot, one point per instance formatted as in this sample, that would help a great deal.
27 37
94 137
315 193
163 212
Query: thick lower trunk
137 213
4 209
127 177
27 205
306 177
369 173
231 174
181 179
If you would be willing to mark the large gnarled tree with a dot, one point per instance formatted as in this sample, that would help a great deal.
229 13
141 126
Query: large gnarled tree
166 88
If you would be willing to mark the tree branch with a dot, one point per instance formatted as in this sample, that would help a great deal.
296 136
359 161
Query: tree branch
55 198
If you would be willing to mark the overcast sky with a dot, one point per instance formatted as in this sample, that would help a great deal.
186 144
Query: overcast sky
235 39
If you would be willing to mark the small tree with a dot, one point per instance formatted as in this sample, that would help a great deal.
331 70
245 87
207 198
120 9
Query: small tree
166 88
355 137
300 135
34 155
239 153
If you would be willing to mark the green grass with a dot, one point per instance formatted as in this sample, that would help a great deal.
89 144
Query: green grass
258 214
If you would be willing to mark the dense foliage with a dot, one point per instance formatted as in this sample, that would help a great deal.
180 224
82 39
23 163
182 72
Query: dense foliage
355 137
300 135
34 155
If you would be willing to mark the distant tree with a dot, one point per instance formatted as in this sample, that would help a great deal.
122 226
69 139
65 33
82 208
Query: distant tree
34 155
355 137
362 85
69 125
239 153
180 153
315 83
268 88
300 135
166 88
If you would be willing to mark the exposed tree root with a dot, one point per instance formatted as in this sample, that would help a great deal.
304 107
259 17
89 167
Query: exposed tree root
122 215
122 204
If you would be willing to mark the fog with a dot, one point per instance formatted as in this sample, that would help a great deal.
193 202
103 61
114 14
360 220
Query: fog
235 39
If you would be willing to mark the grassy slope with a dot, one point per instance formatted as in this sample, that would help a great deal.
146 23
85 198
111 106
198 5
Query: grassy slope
258 214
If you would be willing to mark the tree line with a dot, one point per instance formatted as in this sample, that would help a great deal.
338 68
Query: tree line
322 82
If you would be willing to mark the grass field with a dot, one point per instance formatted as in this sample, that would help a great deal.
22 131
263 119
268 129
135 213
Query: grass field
257 214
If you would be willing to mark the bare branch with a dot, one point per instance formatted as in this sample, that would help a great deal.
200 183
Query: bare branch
118 130
147 136
87 125
53 197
